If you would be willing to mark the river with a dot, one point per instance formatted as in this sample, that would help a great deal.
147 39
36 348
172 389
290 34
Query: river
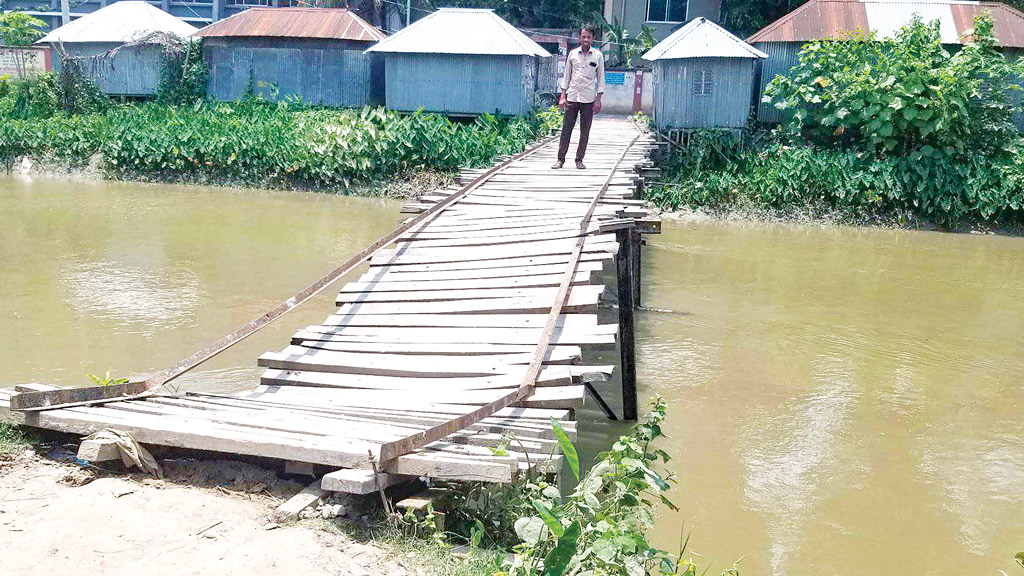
842 401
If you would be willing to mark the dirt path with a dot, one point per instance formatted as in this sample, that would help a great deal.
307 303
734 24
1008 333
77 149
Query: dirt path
59 519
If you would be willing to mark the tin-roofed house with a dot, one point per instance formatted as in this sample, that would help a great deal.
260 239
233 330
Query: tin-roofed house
316 54
119 46
783 39
703 78
461 61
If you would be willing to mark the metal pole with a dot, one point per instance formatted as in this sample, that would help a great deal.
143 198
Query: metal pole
65 12
408 12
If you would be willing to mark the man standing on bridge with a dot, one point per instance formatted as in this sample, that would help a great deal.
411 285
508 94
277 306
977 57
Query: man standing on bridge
582 87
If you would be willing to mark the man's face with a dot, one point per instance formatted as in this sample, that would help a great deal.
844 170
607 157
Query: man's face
586 39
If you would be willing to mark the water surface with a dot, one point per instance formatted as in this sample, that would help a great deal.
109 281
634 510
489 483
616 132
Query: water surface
130 278
842 401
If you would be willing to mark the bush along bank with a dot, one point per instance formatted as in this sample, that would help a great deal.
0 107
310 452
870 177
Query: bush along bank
885 129
255 142
601 527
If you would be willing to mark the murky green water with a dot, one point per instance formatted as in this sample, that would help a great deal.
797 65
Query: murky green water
843 401
132 277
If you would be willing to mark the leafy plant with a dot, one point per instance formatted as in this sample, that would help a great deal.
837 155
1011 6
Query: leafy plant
184 74
12 439
905 94
19 29
600 528
107 380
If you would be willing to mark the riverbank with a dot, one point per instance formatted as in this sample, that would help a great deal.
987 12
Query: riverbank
203 517
761 176
259 144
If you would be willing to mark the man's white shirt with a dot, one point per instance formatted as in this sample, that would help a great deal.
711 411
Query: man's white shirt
583 79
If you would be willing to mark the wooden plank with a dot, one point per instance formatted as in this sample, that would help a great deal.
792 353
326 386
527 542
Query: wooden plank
556 354
289 510
298 358
381 274
588 293
578 303
598 337
567 321
537 281
561 259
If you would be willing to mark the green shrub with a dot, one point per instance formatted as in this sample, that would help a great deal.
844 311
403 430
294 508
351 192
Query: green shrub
184 74
902 94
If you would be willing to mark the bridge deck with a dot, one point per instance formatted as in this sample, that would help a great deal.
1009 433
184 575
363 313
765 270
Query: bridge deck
443 323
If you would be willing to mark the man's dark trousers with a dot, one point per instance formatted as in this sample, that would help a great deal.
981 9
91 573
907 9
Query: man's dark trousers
586 114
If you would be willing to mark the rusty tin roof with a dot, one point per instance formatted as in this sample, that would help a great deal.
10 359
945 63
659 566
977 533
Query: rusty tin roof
323 23
821 19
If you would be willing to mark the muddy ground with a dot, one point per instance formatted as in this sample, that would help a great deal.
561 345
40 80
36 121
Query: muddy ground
205 517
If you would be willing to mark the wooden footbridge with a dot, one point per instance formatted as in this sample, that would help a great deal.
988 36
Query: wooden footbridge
469 324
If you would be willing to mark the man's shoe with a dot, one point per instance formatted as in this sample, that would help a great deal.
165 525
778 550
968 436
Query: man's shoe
557 165
580 166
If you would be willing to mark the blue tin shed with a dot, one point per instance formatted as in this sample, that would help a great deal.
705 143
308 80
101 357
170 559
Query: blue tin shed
120 46
313 53
461 61
703 78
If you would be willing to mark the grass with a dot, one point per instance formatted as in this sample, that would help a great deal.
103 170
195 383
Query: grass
12 439
419 553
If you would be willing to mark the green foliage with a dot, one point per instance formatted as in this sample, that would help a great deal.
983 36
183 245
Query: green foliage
184 74
259 142
623 48
600 528
12 439
45 95
902 95
106 380
567 448
781 175
744 17
20 29
550 120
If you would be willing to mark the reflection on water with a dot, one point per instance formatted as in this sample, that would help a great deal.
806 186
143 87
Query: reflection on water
842 401
143 300
795 447
130 278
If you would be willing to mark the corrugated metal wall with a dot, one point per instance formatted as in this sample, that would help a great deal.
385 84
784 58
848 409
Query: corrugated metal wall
782 56
460 83
131 72
728 105
319 73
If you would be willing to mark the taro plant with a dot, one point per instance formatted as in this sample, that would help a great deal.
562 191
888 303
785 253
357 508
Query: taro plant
599 528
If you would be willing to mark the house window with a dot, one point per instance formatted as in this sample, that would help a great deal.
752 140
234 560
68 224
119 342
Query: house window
703 83
666 10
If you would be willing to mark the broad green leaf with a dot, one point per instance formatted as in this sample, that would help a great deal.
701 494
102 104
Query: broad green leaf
559 557
549 518
567 448
531 530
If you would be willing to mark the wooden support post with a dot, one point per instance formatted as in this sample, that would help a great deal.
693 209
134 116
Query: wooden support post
636 243
627 349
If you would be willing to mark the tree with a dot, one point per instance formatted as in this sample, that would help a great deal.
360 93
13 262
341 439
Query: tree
744 17
20 30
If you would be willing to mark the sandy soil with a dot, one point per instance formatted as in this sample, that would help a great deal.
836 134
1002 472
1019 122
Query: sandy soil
58 518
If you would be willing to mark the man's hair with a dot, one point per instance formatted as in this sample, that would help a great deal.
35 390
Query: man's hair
587 28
